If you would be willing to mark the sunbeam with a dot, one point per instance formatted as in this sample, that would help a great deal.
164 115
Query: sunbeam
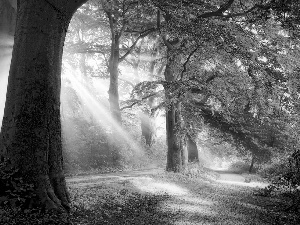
100 111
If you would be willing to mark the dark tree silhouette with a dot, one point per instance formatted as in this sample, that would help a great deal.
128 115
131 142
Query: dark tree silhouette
31 128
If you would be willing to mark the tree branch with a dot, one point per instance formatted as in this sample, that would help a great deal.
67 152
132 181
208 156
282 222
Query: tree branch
136 101
142 35
219 12
128 82
187 61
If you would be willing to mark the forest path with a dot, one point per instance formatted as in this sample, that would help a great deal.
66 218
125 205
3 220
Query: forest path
93 180
230 177
156 197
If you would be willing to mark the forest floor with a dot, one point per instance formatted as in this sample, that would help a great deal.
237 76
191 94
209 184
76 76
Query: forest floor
156 197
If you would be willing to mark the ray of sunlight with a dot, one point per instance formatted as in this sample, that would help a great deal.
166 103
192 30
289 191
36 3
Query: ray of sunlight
99 111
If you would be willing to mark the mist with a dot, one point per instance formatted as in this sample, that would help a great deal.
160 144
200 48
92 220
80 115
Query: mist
6 43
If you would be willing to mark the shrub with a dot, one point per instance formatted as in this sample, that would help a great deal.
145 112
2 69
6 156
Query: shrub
285 179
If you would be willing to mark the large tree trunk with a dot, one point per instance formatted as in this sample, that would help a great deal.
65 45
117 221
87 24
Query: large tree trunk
31 129
176 156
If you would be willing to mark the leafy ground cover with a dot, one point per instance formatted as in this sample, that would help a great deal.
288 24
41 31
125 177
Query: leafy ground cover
155 197
166 198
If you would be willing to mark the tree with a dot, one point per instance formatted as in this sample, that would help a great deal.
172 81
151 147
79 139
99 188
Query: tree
127 25
7 17
210 32
177 152
31 130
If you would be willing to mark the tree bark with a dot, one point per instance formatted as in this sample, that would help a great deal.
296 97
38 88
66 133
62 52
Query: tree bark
31 129
176 156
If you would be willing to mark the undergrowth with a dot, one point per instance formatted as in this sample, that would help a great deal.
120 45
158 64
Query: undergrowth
284 176
118 207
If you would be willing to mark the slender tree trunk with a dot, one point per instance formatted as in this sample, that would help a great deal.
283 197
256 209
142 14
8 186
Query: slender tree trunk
184 152
114 76
148 119
148 124
252 164
31 129
192 149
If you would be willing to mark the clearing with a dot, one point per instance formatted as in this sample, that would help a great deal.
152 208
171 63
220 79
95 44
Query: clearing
156 197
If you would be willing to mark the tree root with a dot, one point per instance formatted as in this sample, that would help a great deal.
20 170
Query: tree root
51 197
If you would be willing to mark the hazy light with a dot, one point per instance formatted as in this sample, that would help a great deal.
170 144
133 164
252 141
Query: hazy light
100 111
238 62
263 59
144 57
243 183
239 180
6 44
150 185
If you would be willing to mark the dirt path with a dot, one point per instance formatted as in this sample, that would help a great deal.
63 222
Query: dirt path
155 197
93 180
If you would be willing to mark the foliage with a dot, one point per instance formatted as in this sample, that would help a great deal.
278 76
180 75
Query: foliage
32 217
285 180
197 170
239 167
16 198
118 205
14 192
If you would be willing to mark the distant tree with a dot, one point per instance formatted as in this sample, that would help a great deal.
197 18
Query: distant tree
31 129
8 15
